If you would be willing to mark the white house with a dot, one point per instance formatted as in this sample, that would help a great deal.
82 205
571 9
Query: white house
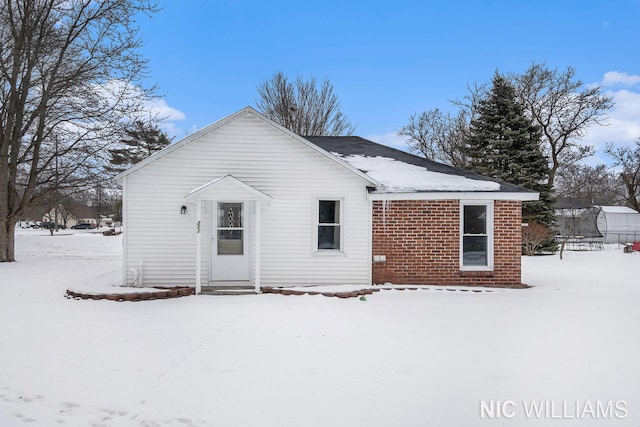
246 202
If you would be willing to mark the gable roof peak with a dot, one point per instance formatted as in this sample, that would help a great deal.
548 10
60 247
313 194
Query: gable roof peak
248 110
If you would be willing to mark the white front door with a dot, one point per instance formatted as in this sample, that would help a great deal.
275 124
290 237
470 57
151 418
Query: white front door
230 253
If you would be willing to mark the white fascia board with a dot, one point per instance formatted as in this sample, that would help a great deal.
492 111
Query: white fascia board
451 195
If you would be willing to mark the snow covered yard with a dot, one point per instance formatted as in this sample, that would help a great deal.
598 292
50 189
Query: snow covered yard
403 358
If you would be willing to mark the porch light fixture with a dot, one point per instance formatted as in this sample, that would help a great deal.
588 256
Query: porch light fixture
183 210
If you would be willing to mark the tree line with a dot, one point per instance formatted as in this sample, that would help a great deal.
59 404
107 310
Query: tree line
563 108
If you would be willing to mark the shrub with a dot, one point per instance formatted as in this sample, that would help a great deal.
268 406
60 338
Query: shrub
535 236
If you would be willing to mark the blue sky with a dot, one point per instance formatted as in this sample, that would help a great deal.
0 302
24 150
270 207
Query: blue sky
386 60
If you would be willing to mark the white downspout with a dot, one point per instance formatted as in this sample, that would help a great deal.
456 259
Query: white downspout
198 247
370 248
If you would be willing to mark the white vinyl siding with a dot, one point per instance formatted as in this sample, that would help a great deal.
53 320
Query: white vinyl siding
268 160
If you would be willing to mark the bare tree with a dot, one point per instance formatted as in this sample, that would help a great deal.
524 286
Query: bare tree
571 225
564 108
597 184
302 107
628 159
559 103
64 212
469 103
442 136
438 136
69 78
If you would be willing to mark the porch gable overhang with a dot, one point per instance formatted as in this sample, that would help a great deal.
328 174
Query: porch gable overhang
227 187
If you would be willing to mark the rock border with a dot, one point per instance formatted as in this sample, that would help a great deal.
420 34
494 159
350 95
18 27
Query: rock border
369 291
161 293
346 294
180 291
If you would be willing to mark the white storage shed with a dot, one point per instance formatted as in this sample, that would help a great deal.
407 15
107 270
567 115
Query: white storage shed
619 224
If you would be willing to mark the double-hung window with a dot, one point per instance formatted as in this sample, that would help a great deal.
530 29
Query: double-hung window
476 237
329 225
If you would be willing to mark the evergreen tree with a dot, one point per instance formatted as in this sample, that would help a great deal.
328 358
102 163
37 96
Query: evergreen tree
141 140
504 144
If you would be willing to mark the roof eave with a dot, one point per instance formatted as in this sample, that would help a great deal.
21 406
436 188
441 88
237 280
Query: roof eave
454 195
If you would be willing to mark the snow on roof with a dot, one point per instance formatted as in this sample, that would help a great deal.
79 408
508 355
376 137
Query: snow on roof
618 209
397 176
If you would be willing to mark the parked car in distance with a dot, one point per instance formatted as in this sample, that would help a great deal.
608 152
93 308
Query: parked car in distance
83 226
49 225
29 224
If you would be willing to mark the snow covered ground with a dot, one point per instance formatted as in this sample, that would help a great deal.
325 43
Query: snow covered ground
565 352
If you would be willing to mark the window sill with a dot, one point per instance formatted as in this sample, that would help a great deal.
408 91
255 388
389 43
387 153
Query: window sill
477 272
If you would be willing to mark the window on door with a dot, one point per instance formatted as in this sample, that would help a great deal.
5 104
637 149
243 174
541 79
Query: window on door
230 229
329 220
476 236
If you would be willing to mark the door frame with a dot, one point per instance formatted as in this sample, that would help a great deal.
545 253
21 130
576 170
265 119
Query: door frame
248 248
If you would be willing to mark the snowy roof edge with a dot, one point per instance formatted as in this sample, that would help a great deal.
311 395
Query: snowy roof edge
345 146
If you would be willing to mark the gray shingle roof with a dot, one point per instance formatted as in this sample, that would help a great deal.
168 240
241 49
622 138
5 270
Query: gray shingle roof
355 145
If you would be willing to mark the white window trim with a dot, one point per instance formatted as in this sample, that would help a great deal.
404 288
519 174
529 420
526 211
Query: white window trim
490 246
316 223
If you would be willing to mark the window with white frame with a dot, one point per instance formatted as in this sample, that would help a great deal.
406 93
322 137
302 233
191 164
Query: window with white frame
476 240
329 225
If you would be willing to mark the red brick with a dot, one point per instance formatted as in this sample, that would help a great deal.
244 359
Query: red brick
421 241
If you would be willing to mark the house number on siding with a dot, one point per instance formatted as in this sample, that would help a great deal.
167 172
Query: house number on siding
198 227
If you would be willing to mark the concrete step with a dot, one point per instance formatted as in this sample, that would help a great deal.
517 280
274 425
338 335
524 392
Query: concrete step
224 290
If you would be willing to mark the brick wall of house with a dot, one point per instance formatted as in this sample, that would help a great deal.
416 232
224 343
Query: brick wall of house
421 242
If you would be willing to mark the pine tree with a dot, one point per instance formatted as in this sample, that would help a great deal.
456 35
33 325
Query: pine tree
504 144
141 141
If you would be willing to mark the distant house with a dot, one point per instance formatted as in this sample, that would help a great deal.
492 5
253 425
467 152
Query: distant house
67 214
70 214
246 202
32 217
